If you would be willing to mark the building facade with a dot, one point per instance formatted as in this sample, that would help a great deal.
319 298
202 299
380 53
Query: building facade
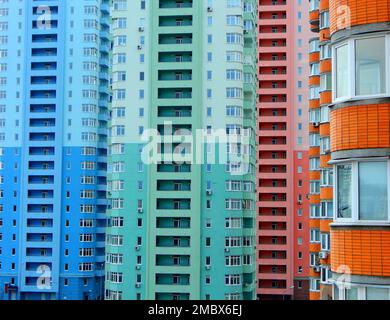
321 172
53 116
179 228
350 246
283 150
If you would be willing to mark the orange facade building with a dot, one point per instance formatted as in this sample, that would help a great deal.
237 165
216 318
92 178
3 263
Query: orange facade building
350 150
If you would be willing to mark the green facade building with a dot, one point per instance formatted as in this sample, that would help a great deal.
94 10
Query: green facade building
182 229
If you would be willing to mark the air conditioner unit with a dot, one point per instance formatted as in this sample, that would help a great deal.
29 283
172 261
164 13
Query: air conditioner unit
140 210
323 255
299 201
209 9
138 248
209 192
316 124
227 250
139 47
141 29
208 267
317 269
138 267
138 285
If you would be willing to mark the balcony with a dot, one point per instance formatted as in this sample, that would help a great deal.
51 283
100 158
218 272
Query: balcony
174 185
174 4
175 39
173 260
172 280
172 242
175 94
173 204
175 57
173 223
175 75
175 21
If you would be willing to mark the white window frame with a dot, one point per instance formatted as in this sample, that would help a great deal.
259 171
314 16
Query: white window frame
352 69
362 290
355 192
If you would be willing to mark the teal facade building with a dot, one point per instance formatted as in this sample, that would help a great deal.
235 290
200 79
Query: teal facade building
182 229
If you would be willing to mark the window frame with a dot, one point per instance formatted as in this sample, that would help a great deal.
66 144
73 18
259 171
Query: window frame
355 192
361 290
351 45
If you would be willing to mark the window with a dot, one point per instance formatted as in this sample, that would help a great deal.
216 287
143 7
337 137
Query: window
314 284
361 292
370 66
327 177
342 71
326 209
325 242
315 236
324 19
373 185
375 293
362 191
359 70
344 191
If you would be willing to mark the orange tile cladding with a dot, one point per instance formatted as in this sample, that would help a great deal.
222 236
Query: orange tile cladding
324 5
361 12
325 66
365 252
314 16
326 193
360 127
314 295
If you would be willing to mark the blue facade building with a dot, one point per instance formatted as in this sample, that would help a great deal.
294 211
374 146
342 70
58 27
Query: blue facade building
54 98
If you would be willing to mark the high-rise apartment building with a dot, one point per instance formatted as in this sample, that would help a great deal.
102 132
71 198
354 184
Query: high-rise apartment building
182 229
321 172
283 180
350 113
54 95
